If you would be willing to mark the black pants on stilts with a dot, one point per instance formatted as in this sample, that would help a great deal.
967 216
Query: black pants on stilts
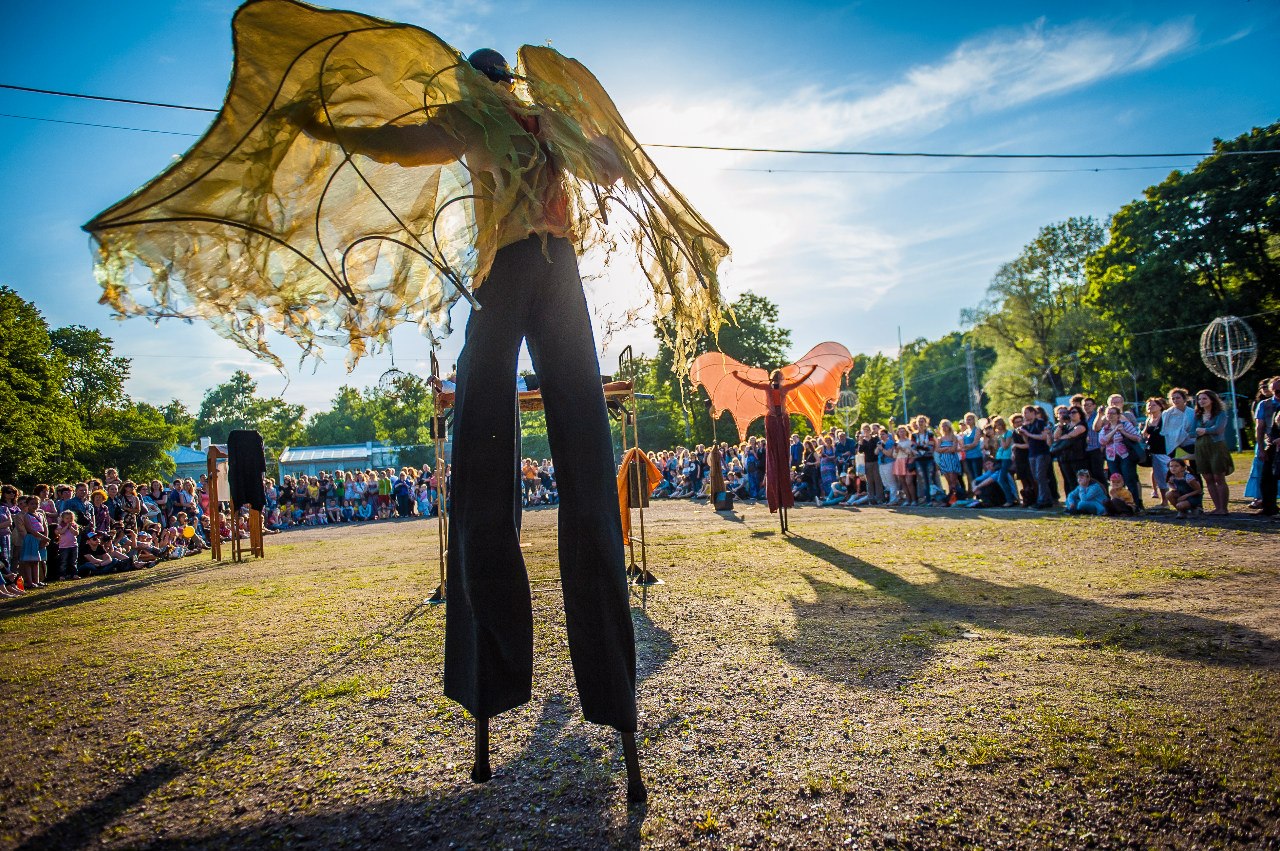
488 664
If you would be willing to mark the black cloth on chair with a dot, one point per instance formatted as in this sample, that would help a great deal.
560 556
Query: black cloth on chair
247 464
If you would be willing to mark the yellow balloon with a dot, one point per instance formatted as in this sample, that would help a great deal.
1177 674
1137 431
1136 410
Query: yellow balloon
188 531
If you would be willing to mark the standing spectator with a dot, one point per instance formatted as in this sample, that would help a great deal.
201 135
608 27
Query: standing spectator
1212 456
904 454
68 547
948 454
1021 463
1093 420
884 460
971 450
1270 440
100 514
130 505
1035 429
868 444
923 466
35 543
1119 439
1003 457
1157 449
9 515
1070 438
827 469
1264 415
79 503
1179 425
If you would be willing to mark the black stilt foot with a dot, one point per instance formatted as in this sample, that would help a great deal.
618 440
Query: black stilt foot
480 772
636 793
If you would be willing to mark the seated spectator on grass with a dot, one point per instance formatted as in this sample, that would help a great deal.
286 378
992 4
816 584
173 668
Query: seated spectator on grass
1119 499
1088 497
838 493
96 559
988 492
1185 493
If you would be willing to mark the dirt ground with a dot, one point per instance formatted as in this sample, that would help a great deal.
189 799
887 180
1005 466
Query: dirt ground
878 679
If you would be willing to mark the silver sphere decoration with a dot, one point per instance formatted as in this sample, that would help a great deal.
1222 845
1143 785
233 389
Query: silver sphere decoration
389 381
1229 347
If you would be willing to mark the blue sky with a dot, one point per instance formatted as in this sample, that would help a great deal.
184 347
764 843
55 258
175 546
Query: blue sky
850 248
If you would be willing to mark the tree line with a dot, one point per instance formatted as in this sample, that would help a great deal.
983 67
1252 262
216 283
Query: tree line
1082 308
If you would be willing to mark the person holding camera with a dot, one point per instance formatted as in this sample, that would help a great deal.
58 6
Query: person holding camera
1035 430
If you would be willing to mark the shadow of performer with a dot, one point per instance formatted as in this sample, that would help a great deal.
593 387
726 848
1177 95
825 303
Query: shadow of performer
839 628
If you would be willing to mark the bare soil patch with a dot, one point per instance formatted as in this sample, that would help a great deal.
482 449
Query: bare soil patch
922 679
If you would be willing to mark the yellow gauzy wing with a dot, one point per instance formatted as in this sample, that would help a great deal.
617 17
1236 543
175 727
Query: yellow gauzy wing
678 250
276 219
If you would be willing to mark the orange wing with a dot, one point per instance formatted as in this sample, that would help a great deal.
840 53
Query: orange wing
715 372
810 399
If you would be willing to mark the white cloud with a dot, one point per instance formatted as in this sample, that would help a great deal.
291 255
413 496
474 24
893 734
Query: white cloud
826 236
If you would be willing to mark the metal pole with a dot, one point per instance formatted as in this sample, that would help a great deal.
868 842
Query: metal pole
1231 377
971 372
902 369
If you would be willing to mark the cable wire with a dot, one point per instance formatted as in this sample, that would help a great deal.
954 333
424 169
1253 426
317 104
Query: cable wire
104 98
829 153
88 124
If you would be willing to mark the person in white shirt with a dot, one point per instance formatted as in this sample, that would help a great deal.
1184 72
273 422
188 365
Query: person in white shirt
1177 424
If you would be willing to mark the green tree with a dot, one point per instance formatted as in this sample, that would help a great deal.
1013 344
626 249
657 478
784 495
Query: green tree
133 438
1198 245
1047 339
95 378
348 420
937 381
175 413
235 404
402 415
878 399
41 431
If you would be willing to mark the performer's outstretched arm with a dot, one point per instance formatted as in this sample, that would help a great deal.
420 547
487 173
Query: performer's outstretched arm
759 385
801 380
434 143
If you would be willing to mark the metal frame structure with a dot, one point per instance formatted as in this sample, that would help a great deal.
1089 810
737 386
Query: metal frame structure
619 399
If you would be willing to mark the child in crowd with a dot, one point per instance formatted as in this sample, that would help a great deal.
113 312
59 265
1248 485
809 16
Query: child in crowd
1119 499
1088 496
1185 493
68 546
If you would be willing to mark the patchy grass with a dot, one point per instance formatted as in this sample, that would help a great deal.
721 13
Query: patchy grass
933 678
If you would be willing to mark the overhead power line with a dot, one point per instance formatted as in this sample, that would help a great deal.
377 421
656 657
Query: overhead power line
88 124
103 97
726 148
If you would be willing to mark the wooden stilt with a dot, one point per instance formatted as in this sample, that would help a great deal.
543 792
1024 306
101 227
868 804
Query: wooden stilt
480 772
636 793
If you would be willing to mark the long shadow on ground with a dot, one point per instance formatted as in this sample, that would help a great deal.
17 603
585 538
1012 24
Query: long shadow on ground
554 793
848 636
76 592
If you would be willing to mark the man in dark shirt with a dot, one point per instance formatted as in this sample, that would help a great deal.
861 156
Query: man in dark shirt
1035 429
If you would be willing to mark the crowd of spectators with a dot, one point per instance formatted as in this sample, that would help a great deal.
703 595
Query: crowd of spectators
352 496
100 526
1082 458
